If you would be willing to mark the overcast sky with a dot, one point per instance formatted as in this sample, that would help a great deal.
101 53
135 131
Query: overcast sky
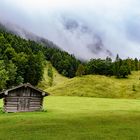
115 22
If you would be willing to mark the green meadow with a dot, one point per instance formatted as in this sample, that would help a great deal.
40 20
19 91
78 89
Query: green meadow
75 118
92 85
91 107
98 86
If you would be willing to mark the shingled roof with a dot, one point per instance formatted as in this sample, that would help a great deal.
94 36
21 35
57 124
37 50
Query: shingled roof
4 92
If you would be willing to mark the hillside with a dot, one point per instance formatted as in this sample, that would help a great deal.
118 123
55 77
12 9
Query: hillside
22 61
57 78
99 86
21 32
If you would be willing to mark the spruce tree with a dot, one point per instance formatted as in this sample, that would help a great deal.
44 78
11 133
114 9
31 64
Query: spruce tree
80 71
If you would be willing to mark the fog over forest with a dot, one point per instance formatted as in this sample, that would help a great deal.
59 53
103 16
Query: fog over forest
85 28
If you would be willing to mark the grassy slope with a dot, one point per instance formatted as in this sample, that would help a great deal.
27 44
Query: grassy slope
58 78
75 118
99 86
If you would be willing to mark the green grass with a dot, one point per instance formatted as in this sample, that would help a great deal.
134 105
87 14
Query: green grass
57 78
75 118
92 85
99 86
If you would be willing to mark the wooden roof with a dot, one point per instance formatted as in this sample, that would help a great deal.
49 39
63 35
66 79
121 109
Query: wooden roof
22 85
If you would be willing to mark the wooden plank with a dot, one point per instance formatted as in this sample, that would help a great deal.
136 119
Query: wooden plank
11 103
35 103
35 109
11 106
11 99
15 107
11 109
36 99
35 106
17 97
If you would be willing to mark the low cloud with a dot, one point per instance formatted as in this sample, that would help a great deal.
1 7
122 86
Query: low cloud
85 28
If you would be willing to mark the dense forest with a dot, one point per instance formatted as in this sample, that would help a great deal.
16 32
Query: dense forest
119 68
22 61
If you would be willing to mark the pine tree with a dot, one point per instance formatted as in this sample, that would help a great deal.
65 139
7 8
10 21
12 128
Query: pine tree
136 64
80 71
123 71
117 66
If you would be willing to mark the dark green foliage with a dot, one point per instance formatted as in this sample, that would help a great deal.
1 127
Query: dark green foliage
117 65
23 60
19 80
50 71
65 64
99 66
136 64
34 69
12 73
80 71
123 71
3 75
120 68
50 74
20 61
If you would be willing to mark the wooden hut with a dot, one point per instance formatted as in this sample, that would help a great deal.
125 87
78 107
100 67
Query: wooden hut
23 98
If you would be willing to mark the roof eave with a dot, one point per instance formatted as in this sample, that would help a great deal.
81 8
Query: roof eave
25 85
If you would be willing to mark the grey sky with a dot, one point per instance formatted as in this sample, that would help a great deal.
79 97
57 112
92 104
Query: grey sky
115 22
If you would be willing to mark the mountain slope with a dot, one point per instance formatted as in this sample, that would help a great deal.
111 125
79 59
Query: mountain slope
65 63
16 30
99 86
73 33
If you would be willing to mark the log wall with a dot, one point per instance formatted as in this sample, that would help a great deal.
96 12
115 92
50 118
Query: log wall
23 100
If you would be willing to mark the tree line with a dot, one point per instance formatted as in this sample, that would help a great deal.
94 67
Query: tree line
120 68
23 61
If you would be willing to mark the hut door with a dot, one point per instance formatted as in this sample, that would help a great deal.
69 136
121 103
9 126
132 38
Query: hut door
23 104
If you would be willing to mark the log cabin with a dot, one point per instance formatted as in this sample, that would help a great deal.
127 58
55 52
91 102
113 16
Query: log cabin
23 98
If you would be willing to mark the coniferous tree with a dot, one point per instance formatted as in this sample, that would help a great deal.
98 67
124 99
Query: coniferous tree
117 65
80 71
123 71
136 64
